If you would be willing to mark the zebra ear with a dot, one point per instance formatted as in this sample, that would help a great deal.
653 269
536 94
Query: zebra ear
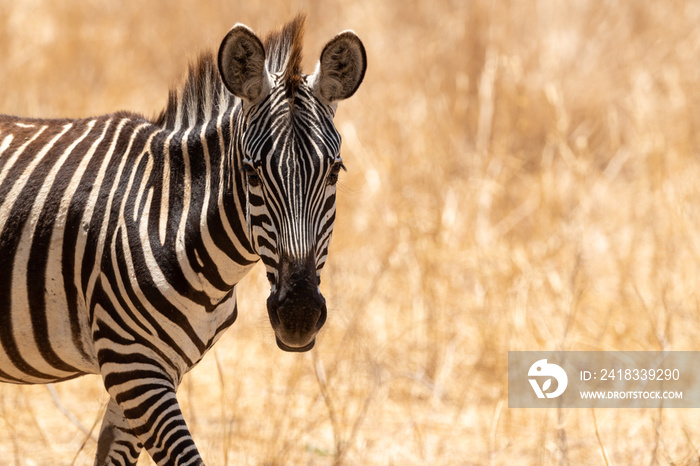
341 68
242 64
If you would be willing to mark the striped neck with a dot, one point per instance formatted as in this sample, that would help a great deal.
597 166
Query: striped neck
202 125
213 233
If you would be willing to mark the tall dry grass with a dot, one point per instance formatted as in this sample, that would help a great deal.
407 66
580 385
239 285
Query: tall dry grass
522 175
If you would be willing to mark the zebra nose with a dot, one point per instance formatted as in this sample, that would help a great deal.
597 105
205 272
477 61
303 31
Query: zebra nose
296 317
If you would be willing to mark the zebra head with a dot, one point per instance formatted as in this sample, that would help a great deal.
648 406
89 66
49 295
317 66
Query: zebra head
290 157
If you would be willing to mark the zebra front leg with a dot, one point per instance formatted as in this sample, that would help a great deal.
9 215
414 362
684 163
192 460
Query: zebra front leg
117 444
150 408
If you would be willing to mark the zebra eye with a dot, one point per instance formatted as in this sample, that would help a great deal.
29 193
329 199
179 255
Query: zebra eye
335 170
251 175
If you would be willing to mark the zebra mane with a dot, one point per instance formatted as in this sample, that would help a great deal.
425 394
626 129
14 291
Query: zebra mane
283 52
200 98
203 94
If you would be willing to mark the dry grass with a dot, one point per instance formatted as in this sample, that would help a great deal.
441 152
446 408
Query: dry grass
522 176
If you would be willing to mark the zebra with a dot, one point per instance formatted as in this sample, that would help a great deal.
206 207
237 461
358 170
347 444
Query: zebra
122 238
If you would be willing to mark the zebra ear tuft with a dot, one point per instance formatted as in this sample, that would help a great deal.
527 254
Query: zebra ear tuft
341 68
242 64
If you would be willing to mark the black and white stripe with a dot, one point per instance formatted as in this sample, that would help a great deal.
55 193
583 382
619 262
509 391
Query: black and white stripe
122 239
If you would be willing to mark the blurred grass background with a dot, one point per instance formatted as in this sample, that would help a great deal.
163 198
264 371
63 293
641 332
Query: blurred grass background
522 175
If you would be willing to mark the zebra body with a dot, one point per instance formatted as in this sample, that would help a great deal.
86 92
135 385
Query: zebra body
79 235
122 239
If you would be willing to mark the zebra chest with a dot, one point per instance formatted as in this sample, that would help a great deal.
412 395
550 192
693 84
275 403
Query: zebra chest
160 323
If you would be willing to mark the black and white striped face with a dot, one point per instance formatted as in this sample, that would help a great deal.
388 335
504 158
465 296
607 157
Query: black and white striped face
291 162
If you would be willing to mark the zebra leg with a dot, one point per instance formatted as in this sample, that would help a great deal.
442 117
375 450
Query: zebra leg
149 408
117 444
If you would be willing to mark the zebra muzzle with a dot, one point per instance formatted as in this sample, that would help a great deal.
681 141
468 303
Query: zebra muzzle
297 312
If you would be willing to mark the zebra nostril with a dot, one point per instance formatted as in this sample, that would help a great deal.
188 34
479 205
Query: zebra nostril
273 306
321 318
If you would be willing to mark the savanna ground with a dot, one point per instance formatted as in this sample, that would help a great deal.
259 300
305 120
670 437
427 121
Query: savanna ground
522 175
